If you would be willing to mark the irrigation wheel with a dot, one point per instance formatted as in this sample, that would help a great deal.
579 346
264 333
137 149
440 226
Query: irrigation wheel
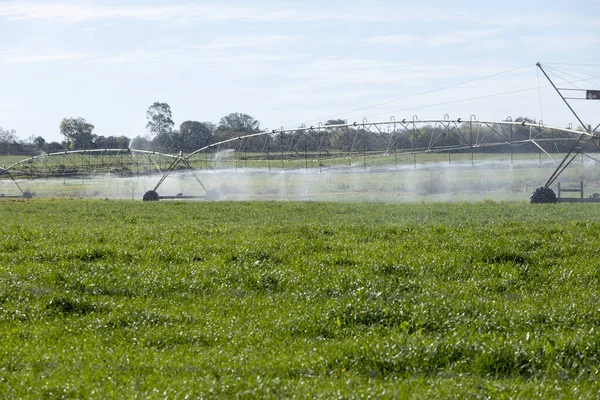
151 195
27 195
543 195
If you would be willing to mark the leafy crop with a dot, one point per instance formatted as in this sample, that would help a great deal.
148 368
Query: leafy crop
168 299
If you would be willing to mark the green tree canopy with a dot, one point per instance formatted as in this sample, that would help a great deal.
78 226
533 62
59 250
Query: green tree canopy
78 133
112 142
236 124
194 135
159 119
40 142
336 122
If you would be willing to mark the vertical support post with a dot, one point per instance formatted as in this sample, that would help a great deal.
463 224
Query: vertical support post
471 119
364 154
320 144
268 153
395 139
305 153
581 188
364 142
509 119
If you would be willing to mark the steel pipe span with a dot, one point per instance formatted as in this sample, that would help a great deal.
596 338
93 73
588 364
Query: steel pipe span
406 125
430 135
81 162
401 136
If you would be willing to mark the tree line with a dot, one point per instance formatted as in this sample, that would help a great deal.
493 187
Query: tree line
192 135
161 135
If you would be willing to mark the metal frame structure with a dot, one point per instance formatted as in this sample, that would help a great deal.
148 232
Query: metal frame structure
397 137
80 162
581 143
309 146
120 162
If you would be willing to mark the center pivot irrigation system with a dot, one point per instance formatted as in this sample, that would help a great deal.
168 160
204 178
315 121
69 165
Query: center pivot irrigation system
394 137
326 147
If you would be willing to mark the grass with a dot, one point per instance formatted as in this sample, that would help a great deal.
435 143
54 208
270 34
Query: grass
152 300
7 161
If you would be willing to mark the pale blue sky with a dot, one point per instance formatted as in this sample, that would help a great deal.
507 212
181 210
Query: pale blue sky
287 63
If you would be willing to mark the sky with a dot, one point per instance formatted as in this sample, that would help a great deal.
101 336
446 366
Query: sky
288 63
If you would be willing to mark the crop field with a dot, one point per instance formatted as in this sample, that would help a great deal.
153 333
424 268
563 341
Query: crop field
128 299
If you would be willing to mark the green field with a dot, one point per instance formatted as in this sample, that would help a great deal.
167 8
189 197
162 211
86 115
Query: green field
7 161
123 299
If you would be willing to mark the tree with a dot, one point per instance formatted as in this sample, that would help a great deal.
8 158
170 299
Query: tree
140 143
10 143
236 124
166 141
336 122
78 133
525 119
239 122
52 147
338 137
40 142
159 119
194 135
112 142
7 138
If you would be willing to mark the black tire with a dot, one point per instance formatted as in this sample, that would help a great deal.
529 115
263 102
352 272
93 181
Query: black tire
27 195
212 195
543 195
151 195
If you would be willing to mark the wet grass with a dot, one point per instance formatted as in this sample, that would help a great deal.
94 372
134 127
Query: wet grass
114 299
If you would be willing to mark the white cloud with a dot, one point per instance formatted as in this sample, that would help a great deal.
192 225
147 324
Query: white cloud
71 12
222 49
436 39
262 42
393 40
561 42
12 56
376 71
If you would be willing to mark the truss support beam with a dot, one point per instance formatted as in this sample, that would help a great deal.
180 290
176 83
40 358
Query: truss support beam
577 147
168 172
15 182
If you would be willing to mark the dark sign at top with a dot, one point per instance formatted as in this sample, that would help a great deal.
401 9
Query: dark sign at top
592 94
